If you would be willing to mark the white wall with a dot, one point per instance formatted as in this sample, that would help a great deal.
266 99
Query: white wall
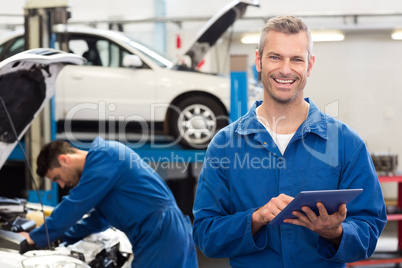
363 73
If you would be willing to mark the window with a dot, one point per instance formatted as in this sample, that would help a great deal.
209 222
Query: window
98 51
12 47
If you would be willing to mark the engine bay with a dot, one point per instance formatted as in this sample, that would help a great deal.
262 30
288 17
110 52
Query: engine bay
107 249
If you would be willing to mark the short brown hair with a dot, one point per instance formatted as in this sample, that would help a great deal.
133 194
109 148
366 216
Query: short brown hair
48 156
287 25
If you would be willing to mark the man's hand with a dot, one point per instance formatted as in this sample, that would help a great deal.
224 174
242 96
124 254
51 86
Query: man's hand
327 226
27 237
266 213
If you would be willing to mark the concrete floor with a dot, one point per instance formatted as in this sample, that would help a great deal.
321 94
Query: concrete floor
388 242
204 262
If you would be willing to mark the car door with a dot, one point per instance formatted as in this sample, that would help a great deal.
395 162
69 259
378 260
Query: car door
102 89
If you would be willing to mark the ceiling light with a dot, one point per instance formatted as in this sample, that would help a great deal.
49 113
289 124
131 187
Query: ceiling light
397 35
318 36
250 39
327 36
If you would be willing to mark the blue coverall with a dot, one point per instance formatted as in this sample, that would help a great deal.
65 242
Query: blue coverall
124 192
244 169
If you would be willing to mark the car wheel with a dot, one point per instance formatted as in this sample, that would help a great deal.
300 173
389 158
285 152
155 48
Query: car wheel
195 120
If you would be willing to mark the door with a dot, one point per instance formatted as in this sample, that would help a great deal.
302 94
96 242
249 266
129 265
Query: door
102 89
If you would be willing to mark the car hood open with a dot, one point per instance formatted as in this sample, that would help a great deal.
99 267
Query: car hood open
26 85
213 30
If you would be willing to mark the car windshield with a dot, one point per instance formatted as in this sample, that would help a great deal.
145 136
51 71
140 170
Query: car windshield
158 57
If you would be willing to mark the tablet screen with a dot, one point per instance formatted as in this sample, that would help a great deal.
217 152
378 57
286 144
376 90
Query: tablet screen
331 199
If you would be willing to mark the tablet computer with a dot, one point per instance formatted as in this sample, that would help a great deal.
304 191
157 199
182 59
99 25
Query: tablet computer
331 199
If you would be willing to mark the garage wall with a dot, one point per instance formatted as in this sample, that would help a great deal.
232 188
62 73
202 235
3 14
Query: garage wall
362 75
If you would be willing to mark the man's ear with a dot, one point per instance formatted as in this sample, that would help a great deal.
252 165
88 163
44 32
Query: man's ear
257 61
63 159
310 65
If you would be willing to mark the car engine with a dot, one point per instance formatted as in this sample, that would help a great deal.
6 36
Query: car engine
108 249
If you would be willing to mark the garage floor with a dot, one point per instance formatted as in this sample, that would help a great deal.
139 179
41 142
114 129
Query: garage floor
388 242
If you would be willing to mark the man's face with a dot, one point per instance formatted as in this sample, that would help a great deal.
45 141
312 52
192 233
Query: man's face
284 66
66 175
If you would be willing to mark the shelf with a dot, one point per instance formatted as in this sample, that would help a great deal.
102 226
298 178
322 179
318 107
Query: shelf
379 258
390 257
394 217
390 178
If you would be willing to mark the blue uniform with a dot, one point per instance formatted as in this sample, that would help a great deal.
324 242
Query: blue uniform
244 169
125 192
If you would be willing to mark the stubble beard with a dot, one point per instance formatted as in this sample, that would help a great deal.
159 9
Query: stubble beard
76 178
269 89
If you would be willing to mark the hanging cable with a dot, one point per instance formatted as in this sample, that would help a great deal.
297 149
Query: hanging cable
29 168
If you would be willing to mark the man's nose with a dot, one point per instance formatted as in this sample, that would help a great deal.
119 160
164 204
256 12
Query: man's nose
286 68
62 184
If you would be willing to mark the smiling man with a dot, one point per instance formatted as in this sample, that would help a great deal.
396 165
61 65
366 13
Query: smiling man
116 188
235 203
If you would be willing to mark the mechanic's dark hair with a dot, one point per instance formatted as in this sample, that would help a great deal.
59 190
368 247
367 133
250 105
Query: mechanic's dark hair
48 156
286 25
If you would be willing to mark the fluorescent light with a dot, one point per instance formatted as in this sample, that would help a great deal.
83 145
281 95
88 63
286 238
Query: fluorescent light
250 39
318 36
327 36
397 35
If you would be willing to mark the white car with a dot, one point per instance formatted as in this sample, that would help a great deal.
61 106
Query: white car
126 86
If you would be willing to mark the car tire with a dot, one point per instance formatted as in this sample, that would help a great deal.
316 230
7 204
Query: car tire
195 120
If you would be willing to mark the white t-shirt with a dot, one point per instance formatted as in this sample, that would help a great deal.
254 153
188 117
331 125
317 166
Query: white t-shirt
281 140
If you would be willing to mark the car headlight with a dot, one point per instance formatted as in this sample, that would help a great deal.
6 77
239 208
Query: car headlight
53 262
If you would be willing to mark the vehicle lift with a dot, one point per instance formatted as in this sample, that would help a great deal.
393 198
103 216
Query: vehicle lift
40 16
